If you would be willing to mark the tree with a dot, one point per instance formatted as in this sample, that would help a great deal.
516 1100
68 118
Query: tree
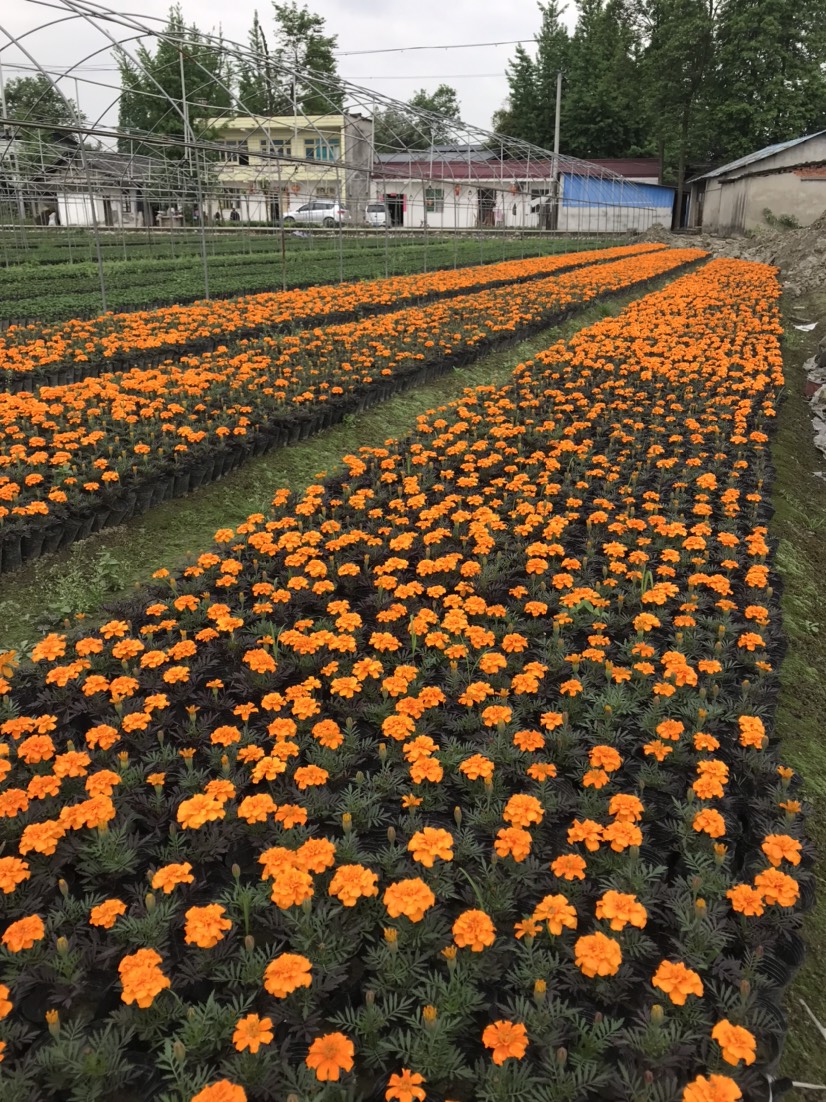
426 122
532 82
601 90
770 78
306 58
260 91
152 100
36 100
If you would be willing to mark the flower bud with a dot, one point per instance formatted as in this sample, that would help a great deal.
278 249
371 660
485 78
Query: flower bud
382 752
700 908
236 871
745 988
540 989
457 816
53 1022
249 943
179 1051
149 900
720 852
64 888
391 936
359 778
391 834
429 1016
369 997
347 822
62 946
449 953
657 1014
562 1056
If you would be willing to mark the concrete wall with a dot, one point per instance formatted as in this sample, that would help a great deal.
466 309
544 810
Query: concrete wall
734 202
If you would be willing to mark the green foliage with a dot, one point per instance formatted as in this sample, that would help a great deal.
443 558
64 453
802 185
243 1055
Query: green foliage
416 128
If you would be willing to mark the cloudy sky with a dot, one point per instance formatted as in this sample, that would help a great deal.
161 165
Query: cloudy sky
361 25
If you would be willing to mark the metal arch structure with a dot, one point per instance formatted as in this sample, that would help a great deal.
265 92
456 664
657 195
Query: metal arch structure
217 179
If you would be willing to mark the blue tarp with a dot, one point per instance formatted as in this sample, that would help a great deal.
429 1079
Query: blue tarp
591 191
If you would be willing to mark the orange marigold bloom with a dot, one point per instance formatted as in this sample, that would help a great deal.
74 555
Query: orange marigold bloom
737 1043
752 731
329 1055
570 866
353 882
776 887
107 913
710 822
595 778
598 955
604 757
6 1005
587 831
521 810
222 1091
252 1032
781 847
200 809
513 841
286 974
206 926
431 843
622 836
258 808
310 776
13 871
474 930
717 1088
625 807
290 887
557 913
677 981
621 910
477 767
169 876
508 1040
316 854
405 1086
746 900
141 977
410 898
24 933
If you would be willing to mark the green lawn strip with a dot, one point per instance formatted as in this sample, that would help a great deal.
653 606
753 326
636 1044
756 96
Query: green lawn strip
79 580
799 526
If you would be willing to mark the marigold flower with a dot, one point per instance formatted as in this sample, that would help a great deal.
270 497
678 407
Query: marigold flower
736 1042
107 913
200 809
405 1086
316 854
570 866
514 842
474 930
746 900
142 978
286 974
206 926
252 1032
508 1040
290 887
6 1005
710 822
677 981
477 767
598 955
717 1088
622 836
353 882
410 898
430 844
625 807
329 1055
13 871
621 910
222 1091
24 933
781 847
777 887
521 810
169 876
557 914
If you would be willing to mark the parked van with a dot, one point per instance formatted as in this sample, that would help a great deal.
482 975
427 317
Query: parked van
377 214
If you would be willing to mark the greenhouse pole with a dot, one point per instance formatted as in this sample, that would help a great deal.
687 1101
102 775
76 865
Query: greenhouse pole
21 206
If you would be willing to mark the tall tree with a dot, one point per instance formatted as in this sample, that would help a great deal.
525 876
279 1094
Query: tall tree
532 81
38 104
260 91
417 128
601 92
770 74
308 55
152 97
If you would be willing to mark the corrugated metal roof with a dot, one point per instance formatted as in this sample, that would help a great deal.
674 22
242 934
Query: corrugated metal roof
760 155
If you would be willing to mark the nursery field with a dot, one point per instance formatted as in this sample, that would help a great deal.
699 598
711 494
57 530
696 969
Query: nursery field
56 276
454 775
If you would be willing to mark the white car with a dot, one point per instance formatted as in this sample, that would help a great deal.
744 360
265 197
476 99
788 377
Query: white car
324 212
377 214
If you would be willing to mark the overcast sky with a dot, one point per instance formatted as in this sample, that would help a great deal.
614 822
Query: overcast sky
477 73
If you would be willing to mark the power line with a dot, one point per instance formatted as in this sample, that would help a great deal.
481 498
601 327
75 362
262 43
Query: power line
451 46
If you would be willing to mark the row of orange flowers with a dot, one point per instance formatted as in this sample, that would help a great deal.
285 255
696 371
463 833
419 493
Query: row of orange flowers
172 330
65 449
453 777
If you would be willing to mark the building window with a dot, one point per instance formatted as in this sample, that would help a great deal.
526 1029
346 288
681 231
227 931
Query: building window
434 200
126 206
276 147
322 149
324 192
235 153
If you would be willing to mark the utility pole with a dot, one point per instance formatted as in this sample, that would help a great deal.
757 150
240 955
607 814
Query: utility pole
555 192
